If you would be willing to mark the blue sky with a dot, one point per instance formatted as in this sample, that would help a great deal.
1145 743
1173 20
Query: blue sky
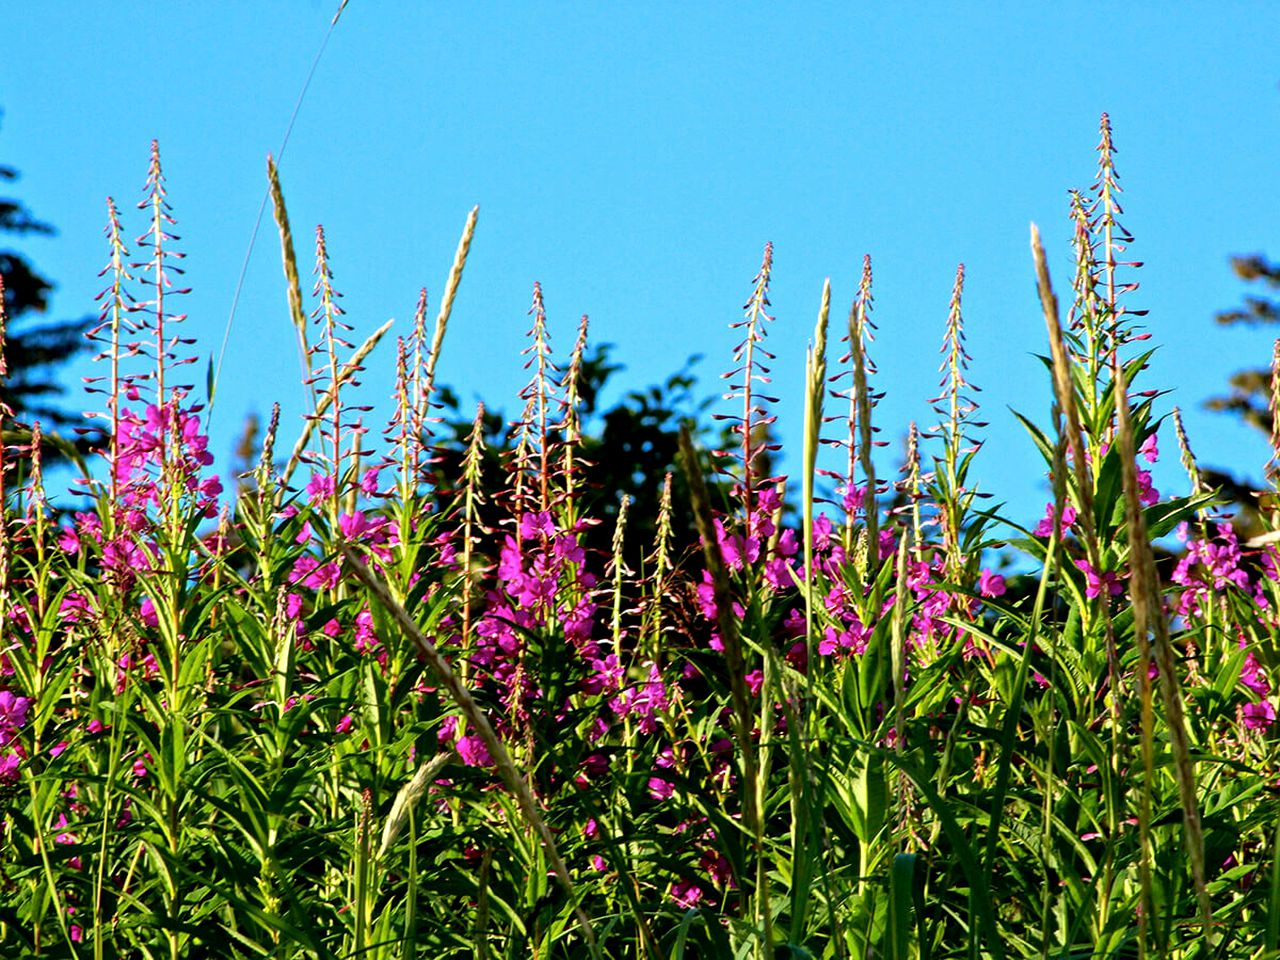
635 159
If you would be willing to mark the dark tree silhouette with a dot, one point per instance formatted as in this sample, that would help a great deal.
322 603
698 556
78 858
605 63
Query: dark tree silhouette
628 449
1250 396
33 352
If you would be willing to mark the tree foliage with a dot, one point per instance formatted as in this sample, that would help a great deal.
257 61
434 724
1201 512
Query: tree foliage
33 350
626 449
1250 396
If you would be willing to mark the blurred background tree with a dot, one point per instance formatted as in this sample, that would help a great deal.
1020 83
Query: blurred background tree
1249 398
627 449
35 351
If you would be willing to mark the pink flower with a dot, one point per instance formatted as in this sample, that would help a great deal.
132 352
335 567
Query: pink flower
1148 495
777 572
353 525
718 868
707 596
311 573
1045 527
1095 582
821 533
1268 563
736 549
147 613
888 544
1149 451
568 549
1259 716
319 487
366 638
535 524
991 584
853 499
64 836
344 725
473 751
1251 676
13 712
660 788
686 894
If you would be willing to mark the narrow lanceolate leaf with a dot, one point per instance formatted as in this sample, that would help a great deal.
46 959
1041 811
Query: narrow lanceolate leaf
294 291
461 696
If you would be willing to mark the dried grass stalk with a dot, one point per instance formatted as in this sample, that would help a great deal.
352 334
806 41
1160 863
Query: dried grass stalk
296 313
407 799
1149 619
450 291
814 394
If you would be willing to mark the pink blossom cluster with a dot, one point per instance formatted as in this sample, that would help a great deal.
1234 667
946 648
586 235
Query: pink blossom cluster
1213 566
1208 567
164 438
13 716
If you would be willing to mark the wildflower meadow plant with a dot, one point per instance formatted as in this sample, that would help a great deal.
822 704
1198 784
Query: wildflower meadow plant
362 706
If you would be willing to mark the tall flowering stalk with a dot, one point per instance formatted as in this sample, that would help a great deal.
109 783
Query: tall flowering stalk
660 563
749 355
162 268
416 362
1151 628
570 426
541 392
859 441
337 434
114 323
409 428
1105 213
472 500
952 492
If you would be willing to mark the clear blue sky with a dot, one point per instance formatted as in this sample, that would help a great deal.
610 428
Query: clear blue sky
635 159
